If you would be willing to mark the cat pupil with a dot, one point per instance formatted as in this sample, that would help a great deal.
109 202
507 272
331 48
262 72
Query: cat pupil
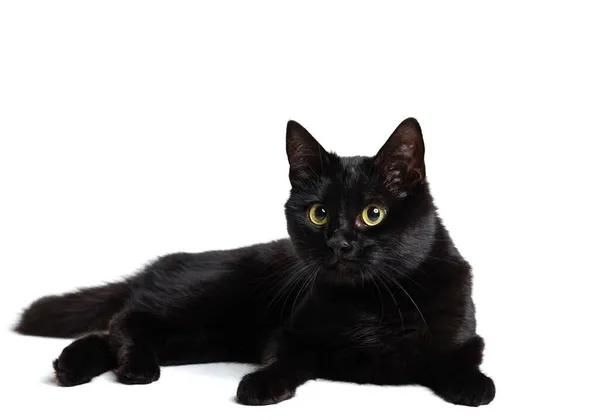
373 214
320 213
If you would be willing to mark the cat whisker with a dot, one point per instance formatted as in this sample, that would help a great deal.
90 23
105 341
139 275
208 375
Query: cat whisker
444 259
293 281
391 295
290 267
407 295
404 274
308 282
378 292
290 283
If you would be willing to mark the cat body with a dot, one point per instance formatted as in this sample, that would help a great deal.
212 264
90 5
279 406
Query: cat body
368 288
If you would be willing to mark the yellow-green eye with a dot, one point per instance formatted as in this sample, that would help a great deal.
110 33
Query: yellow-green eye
318 214
373 214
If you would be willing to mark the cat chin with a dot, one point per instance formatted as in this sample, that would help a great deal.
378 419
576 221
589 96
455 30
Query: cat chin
344 270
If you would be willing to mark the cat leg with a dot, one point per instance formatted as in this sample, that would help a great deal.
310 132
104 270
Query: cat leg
194 346
457 378
134 335
289 364
84 359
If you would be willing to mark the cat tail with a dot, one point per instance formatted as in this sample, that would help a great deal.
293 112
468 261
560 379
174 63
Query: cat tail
74 313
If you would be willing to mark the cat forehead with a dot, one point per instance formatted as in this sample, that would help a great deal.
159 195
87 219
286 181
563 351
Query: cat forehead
349 180
352 170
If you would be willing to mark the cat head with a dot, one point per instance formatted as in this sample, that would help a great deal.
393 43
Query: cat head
356 215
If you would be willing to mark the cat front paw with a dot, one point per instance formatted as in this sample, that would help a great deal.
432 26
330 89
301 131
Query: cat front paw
472 389
264 387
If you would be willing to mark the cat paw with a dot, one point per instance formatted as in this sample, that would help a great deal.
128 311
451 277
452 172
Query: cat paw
473 389
263 388
68 371
138 372
82 360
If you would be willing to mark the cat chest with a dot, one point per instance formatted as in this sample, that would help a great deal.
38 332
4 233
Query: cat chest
364 331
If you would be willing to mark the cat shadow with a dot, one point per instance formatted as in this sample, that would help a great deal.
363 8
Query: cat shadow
50 380
227 371
213 370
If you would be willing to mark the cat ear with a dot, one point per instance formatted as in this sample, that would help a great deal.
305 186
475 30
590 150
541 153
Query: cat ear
306 157
401 160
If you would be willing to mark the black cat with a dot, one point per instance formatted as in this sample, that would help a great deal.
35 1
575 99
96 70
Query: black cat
368 289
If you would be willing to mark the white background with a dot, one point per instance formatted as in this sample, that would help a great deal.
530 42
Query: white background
133 129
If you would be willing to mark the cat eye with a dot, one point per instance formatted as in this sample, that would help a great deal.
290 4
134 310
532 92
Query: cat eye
373 214
318 214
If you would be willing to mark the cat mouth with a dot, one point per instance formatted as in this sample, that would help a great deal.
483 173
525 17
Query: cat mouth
341 264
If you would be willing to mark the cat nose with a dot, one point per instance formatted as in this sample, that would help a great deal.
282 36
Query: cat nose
339 247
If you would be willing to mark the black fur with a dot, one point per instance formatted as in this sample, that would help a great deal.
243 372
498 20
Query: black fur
388 304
